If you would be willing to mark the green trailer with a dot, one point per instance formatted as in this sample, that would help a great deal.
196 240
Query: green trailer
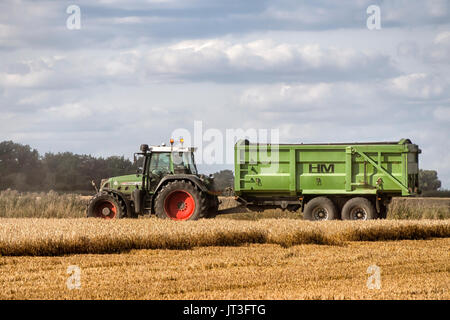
327 181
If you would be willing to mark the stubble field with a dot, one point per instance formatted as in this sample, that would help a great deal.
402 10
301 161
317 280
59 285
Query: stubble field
408 270
239 255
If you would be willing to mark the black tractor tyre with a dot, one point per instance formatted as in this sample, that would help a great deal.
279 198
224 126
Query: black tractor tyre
180 200
127 207
106 206
358 208
213 207
320 208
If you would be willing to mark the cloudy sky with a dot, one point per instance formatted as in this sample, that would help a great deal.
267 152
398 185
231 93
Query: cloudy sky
138 70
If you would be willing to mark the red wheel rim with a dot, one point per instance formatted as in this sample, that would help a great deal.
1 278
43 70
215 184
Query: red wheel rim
179 205
105 210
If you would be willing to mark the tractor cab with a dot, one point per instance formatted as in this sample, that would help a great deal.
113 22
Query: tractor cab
162 160
157 162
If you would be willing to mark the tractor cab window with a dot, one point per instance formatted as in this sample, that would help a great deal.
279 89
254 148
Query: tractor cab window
183 162
160 163
139 161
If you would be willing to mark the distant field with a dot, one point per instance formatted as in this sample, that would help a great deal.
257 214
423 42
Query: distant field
53 205
409 270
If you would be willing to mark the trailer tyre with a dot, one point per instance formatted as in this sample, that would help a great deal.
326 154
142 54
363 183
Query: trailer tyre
180 200
358 209
320 208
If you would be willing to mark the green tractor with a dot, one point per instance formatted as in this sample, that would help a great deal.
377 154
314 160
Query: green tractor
166 184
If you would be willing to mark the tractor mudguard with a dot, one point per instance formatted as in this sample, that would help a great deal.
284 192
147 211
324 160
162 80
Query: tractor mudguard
123 197
194 179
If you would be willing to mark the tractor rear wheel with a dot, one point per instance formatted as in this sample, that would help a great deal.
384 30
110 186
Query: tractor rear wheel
180 200
105 206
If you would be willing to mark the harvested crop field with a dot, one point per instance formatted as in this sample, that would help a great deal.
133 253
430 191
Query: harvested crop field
409 269
42 237
240 254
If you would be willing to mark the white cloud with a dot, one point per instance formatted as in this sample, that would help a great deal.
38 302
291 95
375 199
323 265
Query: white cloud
418 85
282 95
125 63
439 50
442 38
71 111
199 60
32 79
220 57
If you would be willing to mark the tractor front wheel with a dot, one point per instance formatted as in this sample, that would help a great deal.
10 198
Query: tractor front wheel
105 206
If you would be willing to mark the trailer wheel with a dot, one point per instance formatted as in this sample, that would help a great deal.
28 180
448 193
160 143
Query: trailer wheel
358 209
180 200
105 206
320 208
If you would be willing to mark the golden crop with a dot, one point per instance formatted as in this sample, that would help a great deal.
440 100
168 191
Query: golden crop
239 255
30 236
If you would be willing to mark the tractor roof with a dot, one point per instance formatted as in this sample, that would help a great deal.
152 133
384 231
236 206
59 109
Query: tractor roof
171 149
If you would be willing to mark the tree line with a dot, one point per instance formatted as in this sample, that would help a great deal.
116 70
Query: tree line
23 168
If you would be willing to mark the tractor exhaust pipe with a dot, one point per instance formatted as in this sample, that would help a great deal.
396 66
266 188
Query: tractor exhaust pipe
137 196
